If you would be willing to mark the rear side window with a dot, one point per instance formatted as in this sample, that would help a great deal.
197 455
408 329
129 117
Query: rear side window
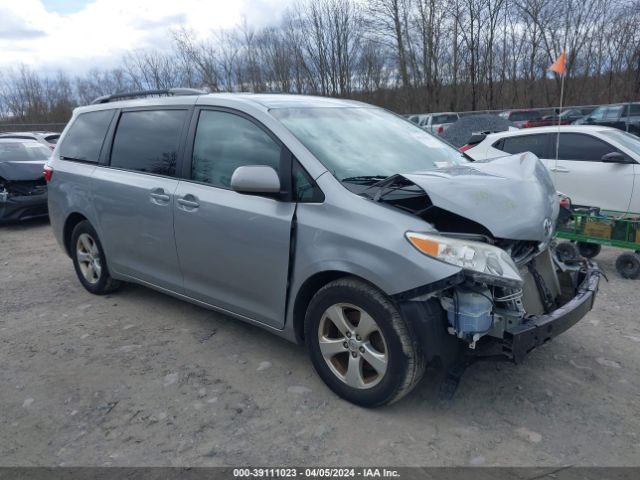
225 141
578 146
444 119
536 144
85 136
522 116
147 141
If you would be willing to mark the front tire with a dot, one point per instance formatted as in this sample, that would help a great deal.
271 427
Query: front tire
89 260
360 345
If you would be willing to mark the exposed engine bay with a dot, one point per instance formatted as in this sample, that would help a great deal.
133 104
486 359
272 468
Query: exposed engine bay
518 284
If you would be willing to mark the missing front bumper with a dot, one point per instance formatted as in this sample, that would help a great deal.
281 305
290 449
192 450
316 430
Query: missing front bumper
538 329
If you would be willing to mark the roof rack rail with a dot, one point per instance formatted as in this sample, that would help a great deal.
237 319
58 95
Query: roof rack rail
147 93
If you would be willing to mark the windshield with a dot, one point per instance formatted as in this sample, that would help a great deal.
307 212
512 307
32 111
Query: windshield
366 142
625 139
22 152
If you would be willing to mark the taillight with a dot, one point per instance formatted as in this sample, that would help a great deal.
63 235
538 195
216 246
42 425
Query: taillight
48 173
440 130
565 202
464 148
526 124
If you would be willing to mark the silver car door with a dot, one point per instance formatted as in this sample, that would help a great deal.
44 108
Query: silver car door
233 247
134 196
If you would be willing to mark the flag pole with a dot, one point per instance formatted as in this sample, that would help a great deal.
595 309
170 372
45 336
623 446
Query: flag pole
559 112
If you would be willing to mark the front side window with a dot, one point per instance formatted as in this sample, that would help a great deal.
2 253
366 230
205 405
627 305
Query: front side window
85 136
581 147
147 141
613 113
360 143
225 141
536 144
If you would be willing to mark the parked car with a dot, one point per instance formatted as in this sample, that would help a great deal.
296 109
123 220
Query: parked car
567 117
435 123
596 166
324 221
48 139
23 191
623 116
522 118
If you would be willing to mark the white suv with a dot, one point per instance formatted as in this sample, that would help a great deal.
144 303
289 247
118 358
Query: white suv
595 166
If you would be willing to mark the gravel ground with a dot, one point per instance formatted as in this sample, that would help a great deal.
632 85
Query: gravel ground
139 378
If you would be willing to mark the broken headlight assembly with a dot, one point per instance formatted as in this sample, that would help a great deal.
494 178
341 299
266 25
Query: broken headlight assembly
482 262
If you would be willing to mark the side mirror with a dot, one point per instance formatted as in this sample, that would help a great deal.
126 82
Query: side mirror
615 157
255 179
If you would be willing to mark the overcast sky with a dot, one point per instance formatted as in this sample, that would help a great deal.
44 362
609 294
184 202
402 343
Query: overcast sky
75 35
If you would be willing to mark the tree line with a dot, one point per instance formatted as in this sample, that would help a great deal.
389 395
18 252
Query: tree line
406 55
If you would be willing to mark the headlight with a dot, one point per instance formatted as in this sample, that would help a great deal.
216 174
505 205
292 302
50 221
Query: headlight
482 262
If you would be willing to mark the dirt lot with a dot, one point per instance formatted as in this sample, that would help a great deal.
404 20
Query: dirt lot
139 378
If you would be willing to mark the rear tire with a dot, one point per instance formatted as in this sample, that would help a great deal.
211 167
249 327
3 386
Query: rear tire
589 250
360 345
628 265
89 260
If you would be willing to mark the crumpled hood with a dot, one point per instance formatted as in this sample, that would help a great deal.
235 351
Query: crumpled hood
21 171
512 196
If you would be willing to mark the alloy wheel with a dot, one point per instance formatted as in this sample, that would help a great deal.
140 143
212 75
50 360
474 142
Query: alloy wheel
352 345
88 257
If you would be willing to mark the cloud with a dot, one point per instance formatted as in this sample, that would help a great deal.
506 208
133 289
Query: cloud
101 32
12 27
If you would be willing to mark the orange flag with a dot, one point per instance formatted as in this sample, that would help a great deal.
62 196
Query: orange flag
560 65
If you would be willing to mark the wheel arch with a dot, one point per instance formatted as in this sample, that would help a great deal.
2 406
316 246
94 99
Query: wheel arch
70 223
309 288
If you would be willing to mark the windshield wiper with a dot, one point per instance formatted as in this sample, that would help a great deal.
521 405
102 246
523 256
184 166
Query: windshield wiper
365 179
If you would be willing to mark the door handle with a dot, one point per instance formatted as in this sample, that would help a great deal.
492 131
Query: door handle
159 196
189 201
559 169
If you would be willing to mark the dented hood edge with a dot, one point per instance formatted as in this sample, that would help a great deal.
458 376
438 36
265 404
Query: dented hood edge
512 196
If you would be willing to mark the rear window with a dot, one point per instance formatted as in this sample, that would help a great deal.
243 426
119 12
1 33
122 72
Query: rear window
437 119
85 136
23 152
536 144
521 116
147 141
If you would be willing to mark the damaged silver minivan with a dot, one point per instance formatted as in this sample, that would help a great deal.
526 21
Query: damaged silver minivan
325 221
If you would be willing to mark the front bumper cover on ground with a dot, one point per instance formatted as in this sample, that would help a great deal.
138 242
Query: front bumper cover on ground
541 328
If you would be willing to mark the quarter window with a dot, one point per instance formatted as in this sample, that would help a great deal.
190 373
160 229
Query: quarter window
578 146
147 141
85 136
225 141
536 144
305 188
